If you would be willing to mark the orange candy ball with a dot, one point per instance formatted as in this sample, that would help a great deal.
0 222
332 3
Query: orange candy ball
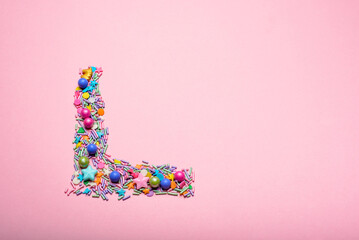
101 112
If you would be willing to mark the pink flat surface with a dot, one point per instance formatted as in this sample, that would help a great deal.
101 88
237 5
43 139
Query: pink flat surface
261 98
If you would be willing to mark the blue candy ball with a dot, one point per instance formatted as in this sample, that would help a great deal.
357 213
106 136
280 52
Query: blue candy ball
83 83
115 176
165 183
92 148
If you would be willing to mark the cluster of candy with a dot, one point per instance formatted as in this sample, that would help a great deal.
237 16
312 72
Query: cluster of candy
96 173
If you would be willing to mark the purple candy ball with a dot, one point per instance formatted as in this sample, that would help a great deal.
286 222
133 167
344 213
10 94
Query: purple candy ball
88 123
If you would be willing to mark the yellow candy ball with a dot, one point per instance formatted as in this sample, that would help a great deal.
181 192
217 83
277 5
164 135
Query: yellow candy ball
86 95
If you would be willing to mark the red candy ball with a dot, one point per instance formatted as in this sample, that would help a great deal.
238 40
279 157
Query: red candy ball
88 123
179 176
85 113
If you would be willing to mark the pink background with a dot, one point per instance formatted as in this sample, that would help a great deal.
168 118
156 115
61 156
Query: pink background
261 98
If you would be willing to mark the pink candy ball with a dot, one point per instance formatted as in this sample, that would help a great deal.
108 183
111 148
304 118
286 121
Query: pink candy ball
179 176
85 113
88 123
77 102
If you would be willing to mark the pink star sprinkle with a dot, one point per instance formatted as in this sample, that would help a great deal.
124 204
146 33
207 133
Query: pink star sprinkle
100 165
141 181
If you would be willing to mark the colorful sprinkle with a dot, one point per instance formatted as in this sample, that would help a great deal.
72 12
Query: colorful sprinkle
99 175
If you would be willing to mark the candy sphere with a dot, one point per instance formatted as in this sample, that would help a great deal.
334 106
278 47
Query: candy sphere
154 182
91 149
115 176
83 162
100 111
179 176
77 102
85 113
165 183
160 176
88 123
83 83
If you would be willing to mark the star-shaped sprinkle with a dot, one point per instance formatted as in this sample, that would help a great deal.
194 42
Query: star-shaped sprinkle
141 181
100 134
156 172
145 191
138 166
88 89
101 165
77 139
89 173
99 70
121 192
86 191
130 186
93 84
134 175
97 180
170 176
106 171
80 177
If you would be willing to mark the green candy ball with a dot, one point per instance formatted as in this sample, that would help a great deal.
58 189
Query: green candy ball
154 182
83 162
